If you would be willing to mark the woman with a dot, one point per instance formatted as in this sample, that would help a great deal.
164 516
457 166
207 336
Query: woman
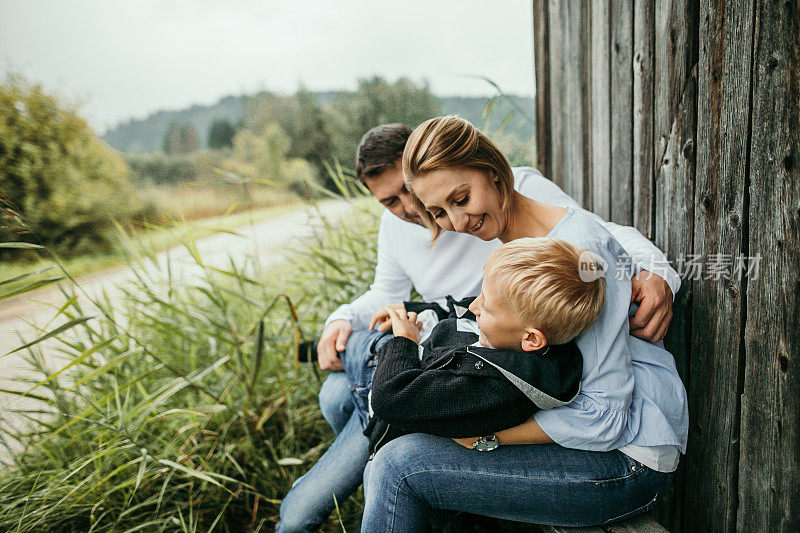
607 455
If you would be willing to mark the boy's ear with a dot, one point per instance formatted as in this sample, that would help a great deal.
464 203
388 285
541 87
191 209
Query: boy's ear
533 340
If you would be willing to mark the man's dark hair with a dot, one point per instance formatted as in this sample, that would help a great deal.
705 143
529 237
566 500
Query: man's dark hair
380 148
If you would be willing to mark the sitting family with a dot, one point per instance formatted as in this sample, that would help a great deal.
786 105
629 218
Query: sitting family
524 346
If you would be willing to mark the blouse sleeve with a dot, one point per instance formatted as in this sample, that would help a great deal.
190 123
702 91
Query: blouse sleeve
597 418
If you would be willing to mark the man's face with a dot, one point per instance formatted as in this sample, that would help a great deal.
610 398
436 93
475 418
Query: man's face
390 190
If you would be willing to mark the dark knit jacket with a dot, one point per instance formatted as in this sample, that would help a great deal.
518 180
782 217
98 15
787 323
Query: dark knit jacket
456 390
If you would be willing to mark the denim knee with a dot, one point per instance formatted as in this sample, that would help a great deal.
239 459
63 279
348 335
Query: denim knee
391 462
336 401
296 520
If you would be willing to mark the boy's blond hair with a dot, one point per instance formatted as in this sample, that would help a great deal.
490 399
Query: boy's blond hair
541 280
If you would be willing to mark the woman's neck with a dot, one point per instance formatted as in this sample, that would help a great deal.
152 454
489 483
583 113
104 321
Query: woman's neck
529 218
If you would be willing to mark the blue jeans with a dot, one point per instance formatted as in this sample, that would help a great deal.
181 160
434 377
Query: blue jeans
343 400
542 484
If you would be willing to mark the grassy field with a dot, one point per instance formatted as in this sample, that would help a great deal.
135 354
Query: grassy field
155 239
185 408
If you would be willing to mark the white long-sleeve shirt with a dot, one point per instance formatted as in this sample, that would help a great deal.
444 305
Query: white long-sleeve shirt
454 263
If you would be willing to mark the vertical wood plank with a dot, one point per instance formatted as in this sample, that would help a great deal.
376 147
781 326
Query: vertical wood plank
643 36
674 229
675 56
556 104
769 465
674 148
601 108
572 110
621 111
717 313
585 67
541 51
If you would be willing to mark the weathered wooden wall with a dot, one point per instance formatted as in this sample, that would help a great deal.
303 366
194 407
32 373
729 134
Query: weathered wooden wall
682 118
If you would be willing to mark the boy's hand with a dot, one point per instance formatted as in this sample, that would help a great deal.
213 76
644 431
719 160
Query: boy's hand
404 324
383 319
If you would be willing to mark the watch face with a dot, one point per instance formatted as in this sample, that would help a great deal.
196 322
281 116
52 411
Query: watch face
486 445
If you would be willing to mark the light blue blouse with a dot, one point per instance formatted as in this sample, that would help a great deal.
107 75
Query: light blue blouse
631 393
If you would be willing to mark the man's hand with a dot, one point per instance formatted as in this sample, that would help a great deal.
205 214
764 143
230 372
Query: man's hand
333 340
404 324
383 319
654 297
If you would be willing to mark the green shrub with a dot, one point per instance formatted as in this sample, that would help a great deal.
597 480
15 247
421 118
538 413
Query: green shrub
183 408
65 183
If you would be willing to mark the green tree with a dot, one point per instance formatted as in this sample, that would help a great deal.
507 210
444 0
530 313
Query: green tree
301 118
220 134
189 141
65 183
263 159
376 102
181 140
172 140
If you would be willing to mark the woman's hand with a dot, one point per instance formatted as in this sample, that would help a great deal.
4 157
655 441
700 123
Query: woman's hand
383 319
404 324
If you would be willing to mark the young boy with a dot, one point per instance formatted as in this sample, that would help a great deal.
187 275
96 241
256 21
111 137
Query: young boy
491 366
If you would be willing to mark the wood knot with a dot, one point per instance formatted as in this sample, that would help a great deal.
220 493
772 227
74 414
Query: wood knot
707 202
773 61
788 163
688 149
783 361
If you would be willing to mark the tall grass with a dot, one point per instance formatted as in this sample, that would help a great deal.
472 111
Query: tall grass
181 406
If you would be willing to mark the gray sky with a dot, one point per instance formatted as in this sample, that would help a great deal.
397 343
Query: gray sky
122 59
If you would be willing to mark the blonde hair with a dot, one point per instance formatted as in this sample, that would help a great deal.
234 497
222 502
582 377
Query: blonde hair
541 279
447 142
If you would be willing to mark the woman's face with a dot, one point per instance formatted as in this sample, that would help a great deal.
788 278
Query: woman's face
465 200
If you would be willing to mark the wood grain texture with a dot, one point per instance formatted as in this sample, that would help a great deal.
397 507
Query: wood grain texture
716 364
675 55
643 86
622 111
600 90
674 221
556 96
541 51
769 464
674 147
572 111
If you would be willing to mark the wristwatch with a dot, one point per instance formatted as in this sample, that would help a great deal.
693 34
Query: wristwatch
486 444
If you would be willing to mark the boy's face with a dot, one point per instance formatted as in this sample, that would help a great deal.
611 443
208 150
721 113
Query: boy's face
500 326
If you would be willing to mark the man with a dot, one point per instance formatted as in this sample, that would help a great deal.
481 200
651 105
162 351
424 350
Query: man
451 266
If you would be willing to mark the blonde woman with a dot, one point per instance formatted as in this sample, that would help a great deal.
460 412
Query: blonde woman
605 456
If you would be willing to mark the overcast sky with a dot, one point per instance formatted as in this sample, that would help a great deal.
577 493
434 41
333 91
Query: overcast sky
122 59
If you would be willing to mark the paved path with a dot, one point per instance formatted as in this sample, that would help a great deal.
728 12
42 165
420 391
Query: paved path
263 240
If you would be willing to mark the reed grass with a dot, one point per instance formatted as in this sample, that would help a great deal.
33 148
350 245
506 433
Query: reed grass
181 407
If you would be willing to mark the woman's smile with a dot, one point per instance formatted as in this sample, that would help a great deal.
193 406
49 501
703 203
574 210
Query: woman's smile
477 227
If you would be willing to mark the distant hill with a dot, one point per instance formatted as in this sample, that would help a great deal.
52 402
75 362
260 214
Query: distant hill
147 135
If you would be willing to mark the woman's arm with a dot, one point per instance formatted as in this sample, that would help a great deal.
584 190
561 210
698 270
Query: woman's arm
528 432
597 419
